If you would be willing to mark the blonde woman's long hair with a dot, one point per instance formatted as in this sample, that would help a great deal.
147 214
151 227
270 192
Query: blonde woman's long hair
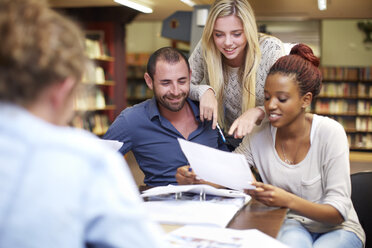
213 57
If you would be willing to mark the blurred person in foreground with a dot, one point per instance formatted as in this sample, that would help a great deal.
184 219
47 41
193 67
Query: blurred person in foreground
59 187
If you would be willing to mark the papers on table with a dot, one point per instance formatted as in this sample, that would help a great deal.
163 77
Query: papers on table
114 144
201 236
195 188
191 212
178 207
224 168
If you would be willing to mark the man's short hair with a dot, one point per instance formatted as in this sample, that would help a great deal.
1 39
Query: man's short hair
169 54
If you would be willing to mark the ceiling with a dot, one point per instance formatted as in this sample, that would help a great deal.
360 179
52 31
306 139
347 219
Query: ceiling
264 9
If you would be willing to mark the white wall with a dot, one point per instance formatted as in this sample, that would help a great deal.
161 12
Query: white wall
145 37
341 40
196 31
306 32
342 44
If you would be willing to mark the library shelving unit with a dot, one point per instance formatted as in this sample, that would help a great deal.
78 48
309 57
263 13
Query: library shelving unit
137 90
94 102
346 96
102 95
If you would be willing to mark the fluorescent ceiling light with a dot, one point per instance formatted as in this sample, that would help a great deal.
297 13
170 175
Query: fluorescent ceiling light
322 4
189 2
135 6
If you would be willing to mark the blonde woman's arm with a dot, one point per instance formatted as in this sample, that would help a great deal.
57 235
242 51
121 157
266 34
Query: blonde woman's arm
199 90
271 49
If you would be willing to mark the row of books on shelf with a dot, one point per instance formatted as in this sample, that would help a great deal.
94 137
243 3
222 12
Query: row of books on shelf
346 121
138 90
96 76
137 59
96 49
95 123
363 124
364 90
340 106
358 124
364 108
338 89
346 89
360 141
347 73
340 73
90 99
136 71
365 73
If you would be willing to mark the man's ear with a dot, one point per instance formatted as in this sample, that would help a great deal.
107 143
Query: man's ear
60 92
306 100
149 81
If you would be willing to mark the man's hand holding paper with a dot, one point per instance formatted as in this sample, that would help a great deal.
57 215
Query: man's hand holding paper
226 169
185 175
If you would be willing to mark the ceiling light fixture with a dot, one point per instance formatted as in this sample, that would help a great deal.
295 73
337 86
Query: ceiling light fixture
189 2
322 4
135 6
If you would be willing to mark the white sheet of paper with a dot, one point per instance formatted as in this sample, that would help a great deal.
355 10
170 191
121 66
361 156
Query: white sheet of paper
224 168
205 236
191 212
195 188
114 144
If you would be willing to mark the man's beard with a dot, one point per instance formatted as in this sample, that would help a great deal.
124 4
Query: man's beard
163 101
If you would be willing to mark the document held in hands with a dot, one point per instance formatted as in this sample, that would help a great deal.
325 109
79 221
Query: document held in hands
224 168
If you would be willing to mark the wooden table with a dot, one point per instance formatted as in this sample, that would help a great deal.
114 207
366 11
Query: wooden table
259 216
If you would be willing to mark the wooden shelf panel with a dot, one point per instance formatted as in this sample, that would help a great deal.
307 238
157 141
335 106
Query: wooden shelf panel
106 83
361 156
342 114
107 107
104 58
344 97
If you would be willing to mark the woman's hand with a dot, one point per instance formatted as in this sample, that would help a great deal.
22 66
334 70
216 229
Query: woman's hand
208 107
244 124
277 197
185 175
270 195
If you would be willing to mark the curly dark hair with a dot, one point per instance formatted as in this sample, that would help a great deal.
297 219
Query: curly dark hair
303 64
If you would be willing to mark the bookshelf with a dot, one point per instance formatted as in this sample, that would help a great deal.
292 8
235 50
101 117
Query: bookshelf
94 103
137 90
103 92
346 96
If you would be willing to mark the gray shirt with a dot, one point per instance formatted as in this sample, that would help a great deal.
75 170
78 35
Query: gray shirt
323 176
271 49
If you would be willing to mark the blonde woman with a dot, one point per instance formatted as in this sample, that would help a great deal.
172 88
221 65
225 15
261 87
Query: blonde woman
233 59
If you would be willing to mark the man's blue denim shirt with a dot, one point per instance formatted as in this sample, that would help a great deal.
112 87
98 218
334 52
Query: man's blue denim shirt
153 140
